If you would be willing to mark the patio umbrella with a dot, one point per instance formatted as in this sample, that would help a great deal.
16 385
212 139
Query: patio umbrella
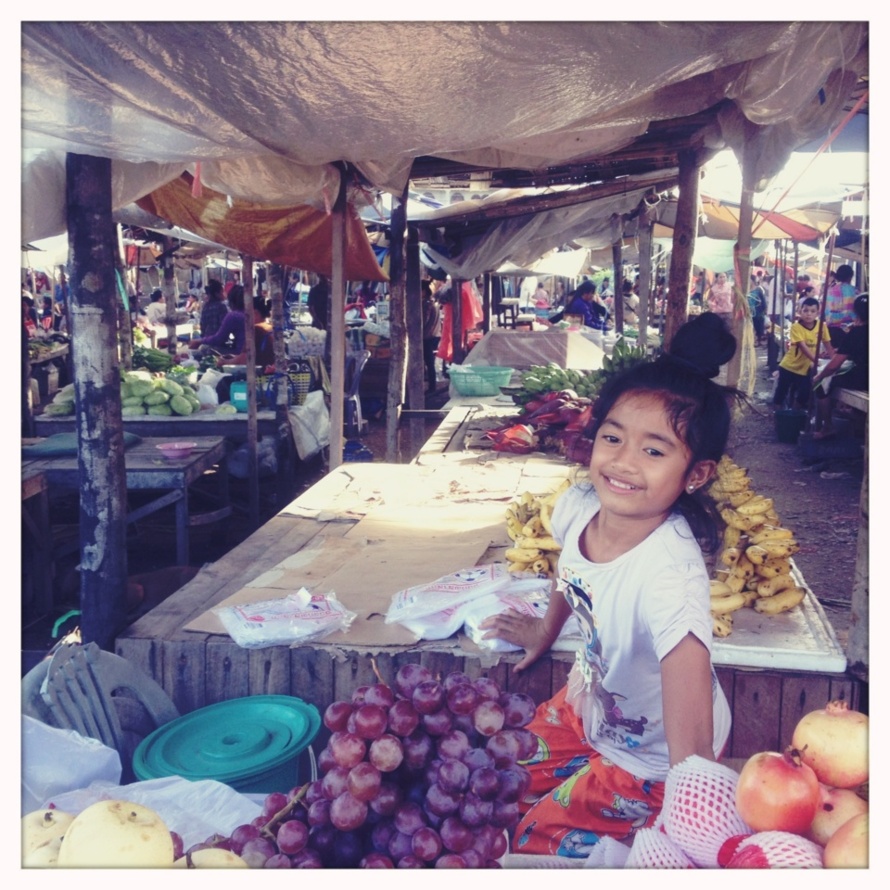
719 219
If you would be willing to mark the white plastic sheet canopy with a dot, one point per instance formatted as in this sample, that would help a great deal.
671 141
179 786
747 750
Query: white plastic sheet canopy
268 108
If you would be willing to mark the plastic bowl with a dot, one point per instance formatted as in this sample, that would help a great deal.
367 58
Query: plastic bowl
176 450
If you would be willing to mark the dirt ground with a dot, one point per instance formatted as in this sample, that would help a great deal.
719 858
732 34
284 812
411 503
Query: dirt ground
816 489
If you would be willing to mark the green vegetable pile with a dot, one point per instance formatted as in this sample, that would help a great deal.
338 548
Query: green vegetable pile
152 359
540 379
142 393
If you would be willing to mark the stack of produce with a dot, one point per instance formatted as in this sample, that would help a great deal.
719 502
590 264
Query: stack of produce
155 360
755 562
534 548
557 405
423 774
143 393
812 795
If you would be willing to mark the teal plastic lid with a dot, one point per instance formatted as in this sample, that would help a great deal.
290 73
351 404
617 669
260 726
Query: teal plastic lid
230 741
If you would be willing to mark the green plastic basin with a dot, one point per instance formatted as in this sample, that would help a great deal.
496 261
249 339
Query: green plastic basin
252 744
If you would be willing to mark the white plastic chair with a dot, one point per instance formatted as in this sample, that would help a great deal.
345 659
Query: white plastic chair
98 694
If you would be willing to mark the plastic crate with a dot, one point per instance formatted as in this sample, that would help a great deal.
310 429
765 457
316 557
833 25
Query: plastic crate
479 380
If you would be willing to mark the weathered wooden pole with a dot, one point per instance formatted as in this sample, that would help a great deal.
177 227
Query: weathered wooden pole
125 316
400 334
857 643
97 398
338 324
168 289
284 444
743 362
253 483
617 221
414 319
683 247
486 302
27 413
457 325
646 226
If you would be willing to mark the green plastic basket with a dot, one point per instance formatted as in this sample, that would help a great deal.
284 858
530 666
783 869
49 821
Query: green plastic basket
479 380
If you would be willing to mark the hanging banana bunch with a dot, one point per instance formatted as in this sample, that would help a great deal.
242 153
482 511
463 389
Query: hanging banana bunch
755 568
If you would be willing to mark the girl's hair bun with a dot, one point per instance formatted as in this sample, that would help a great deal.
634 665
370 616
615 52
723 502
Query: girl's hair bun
703 344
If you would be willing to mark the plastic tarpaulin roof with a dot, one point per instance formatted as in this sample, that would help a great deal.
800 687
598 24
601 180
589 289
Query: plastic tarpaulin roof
523 239
269 108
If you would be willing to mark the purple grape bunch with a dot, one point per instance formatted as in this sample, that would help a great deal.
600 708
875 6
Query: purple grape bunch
427 774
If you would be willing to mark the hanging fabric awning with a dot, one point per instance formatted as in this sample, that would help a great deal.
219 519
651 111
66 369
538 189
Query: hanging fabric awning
293 236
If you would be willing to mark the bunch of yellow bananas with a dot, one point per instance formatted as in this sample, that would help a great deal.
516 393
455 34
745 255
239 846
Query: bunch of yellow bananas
756 557
528 526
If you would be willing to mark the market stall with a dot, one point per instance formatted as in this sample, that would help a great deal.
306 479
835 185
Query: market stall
168 476
408 524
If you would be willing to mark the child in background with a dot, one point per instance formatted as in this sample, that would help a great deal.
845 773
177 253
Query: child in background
797 367
642 695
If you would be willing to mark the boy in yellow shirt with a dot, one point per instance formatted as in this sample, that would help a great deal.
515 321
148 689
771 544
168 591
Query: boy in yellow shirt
797 367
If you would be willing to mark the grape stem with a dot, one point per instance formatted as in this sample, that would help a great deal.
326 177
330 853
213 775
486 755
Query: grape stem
268 829
374 668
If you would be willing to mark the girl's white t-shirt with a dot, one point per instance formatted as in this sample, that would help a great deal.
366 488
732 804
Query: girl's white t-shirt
632 611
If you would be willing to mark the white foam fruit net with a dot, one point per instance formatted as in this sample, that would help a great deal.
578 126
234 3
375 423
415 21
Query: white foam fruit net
652 848
776 849
699 812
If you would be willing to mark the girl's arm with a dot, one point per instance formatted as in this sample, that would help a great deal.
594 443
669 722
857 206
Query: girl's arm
535 635
687 700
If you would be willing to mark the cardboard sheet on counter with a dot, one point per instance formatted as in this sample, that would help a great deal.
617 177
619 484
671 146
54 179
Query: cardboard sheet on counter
394 549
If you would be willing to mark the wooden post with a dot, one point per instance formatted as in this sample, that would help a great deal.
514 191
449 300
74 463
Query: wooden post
125 319
486 302
285 447
96 373
617 272
414 323
169 289
646 227
27 413
253 477
857 643
743 275
457 327
685 230
337 325
398 321
777 316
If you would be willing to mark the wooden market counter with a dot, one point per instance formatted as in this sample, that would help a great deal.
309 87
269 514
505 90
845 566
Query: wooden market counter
203 423
366 531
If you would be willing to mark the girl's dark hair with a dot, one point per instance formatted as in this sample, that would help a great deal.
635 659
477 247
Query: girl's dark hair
699 409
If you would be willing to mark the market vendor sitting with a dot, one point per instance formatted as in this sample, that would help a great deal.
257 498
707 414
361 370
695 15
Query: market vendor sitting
584 304
263 339
230 336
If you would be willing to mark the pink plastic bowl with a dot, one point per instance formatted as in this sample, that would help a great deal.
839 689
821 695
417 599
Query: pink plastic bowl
176 450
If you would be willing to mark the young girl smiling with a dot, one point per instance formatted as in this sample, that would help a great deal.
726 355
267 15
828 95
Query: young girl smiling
642 695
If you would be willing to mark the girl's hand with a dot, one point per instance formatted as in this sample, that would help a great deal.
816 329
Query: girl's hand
520 630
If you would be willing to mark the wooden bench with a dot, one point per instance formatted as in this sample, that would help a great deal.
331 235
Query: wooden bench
855 398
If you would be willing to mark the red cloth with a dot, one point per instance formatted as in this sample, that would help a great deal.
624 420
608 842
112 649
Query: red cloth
470 316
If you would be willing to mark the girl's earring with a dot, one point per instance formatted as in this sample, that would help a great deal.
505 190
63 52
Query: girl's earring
691 488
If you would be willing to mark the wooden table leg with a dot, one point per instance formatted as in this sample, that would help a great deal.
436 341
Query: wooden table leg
182 528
